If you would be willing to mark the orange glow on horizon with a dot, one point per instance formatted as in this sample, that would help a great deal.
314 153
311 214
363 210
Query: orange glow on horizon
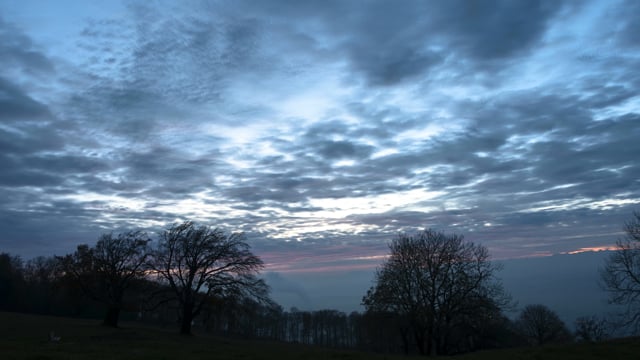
591 249
354 259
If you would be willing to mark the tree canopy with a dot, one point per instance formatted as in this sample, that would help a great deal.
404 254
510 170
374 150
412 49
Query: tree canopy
621 274
106 270
541 325
200 262
439 284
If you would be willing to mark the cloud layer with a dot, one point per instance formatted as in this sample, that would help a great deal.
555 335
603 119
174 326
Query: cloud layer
321 128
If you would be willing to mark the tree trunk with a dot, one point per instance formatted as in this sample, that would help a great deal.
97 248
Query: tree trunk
404 333
112 316
429 346
420 340
187 318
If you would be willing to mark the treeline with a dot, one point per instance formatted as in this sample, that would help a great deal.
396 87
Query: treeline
382 332
187 268
39 286
435 295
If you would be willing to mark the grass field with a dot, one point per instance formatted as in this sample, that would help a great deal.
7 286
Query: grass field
26 337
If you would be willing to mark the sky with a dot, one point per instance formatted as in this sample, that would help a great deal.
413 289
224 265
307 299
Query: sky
321 129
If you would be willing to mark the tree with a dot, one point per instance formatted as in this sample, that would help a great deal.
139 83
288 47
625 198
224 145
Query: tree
591 329
437 283
105 271
12 284
541 325
41 276
621 274
199 262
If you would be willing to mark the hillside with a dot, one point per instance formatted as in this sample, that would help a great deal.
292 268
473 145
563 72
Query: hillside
26 337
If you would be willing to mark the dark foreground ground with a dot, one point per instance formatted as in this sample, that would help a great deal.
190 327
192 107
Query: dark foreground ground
26 337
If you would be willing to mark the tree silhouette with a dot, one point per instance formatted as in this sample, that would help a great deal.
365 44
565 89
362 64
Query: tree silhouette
591 329
12 282
541 325
105 271
621 273
437 283
41 275
198 262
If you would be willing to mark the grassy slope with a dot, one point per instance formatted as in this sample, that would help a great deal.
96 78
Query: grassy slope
25 337
622 349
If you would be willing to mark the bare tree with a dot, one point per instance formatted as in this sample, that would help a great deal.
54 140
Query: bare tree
437 282
41 275
591 329
621 274
541 325
198 262
11 282
105 271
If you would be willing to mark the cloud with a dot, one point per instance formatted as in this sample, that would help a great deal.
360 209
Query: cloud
18 50
629 25
16 106
489 30
392 43
325 128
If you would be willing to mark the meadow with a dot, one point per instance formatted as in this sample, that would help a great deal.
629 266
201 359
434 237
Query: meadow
24 336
